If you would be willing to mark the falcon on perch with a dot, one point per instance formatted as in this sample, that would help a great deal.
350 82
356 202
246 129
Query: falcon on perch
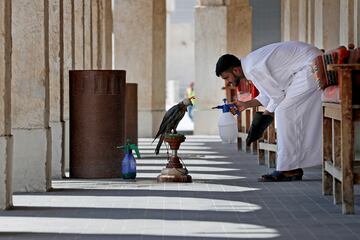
171 120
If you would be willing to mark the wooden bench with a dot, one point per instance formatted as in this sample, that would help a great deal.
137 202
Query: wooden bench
340 168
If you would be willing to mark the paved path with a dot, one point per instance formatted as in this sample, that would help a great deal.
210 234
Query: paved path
224 202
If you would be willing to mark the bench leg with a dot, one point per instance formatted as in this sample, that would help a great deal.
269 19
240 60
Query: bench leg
327 179
337 191
347 197
336 156
272 139
347 158
255 146
247 127
240 130
239 144
261 156
272 159
327 183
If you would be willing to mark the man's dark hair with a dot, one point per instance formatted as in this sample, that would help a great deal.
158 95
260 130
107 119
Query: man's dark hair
226 62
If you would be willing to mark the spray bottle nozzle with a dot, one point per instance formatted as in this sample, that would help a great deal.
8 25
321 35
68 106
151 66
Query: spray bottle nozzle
226 107
130 146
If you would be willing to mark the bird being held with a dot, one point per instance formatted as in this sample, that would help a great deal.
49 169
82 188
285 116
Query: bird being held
171 120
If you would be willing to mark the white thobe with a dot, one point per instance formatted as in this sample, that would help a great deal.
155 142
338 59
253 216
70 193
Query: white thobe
282 74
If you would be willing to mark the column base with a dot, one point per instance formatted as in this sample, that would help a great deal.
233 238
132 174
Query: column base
57 149
30 160
174 178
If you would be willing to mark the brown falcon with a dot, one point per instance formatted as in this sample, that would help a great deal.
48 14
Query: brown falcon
171 120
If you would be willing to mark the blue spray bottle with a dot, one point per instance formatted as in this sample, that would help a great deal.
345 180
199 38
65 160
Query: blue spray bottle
227 124
226 107
128 166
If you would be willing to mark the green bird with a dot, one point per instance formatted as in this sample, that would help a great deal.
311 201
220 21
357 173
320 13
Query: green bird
171 120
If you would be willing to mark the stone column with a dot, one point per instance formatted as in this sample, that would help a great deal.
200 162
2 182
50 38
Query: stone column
311 21
347 22
105 34
327 24
220 27
6 140
55 84
303 21
139 47
290 19
87 34
67 63
78 26
357 22
95 23
30 97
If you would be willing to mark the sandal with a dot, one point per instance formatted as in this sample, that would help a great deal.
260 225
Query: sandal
282 176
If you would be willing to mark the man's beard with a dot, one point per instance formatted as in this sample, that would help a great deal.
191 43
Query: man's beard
236 81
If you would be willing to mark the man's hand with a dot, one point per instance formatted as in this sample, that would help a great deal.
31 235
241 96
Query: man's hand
233 110
241 105
236 107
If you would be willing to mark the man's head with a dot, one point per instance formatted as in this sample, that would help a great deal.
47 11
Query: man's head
229 68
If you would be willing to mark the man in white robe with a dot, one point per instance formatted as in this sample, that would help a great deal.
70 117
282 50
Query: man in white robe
282 74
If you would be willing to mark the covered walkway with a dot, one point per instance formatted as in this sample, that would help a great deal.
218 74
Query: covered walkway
225 201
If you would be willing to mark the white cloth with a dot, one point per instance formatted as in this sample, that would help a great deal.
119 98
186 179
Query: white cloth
282 74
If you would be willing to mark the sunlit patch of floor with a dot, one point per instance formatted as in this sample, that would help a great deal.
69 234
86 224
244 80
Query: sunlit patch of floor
192 144
211 157
180 151
192 168
163 155
147 185
189 138
183 147
151 227
189 161
195 176
135 202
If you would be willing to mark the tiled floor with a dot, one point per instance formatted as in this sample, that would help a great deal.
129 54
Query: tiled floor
225 201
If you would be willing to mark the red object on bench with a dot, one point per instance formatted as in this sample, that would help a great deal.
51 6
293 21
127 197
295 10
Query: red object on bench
326 78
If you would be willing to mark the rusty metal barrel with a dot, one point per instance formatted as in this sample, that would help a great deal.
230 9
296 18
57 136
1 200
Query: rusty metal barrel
131 108
97 122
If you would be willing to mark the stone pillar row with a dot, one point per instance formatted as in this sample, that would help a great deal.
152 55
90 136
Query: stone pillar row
40 41
139 47
220 27
323 23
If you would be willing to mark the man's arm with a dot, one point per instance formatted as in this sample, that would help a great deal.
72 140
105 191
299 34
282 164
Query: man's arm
248 104
244 105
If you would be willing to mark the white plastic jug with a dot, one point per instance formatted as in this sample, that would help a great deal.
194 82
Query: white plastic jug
228 129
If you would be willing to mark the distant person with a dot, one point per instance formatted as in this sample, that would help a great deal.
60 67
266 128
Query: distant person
190 93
